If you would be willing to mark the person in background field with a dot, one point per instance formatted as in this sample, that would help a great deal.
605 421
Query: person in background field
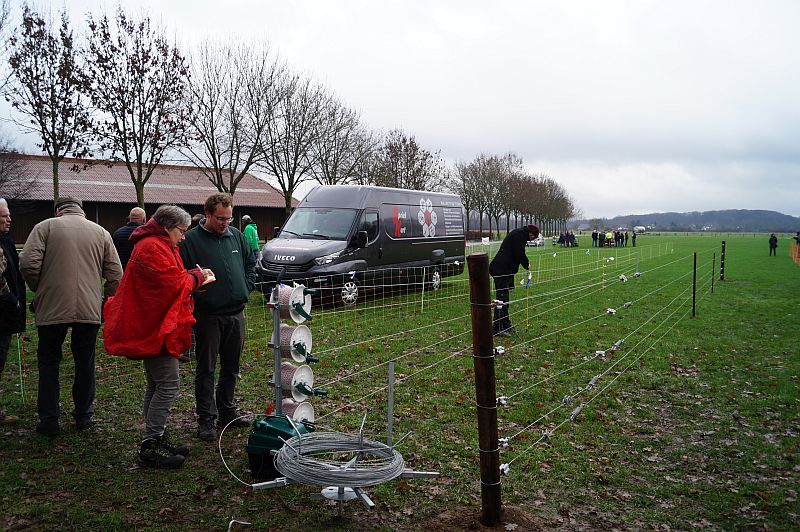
503 267
219 311
773 245
64 262
633 239
157 281
12 295
251 234
626 239
124 247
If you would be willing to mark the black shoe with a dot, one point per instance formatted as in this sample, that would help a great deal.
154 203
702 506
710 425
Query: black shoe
205 430
84 424
183 359
152 453
235 420
48 428
175 448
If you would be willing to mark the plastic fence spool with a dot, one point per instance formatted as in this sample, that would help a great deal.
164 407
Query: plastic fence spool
298 411
293 376
294 302
296 343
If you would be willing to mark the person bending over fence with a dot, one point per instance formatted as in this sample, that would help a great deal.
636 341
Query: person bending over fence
503 267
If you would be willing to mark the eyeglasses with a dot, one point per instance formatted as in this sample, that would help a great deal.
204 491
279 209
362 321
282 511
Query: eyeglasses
222 219
182 230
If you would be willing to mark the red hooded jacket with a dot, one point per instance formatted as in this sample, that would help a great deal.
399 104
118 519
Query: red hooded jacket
151 313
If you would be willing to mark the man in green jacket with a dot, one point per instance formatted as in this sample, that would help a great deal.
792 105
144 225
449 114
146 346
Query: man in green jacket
219 311
251 234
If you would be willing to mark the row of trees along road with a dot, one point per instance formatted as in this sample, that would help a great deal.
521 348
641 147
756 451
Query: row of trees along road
126 92
497 187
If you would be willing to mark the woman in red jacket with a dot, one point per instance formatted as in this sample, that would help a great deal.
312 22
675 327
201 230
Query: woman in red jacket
150 319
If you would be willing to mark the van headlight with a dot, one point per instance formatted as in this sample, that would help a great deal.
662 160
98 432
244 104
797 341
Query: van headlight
327 259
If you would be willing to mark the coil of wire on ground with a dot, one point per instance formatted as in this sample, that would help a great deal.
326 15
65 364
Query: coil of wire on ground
338 459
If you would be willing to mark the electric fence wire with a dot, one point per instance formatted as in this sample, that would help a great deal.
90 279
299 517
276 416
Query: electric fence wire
602 374
548 434
399 380
570 418
381 364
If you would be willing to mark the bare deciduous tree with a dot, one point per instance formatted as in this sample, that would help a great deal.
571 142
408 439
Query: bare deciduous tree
47 88
402 163
343 147
291 134
138 82
235 90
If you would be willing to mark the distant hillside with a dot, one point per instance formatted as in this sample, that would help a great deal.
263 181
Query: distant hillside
728 220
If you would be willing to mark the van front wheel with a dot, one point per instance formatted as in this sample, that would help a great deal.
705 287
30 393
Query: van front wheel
349 293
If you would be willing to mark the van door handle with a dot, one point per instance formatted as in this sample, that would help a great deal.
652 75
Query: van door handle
380 253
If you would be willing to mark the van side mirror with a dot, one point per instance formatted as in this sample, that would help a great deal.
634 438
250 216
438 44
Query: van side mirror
275 232
360 240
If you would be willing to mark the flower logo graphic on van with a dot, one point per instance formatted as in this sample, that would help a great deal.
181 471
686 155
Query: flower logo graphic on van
427 218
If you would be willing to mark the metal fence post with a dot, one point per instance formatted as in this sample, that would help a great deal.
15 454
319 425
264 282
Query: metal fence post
722 263
485 395
713 270
694 284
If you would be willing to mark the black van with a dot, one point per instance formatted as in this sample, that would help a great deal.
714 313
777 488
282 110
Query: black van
348 238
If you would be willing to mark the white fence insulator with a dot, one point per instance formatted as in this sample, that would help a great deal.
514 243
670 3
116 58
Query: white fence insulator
599 353
623 278
499 350
505 468
575 413
502 400
498 304
546 435
566 400
637 274
611 311
593 382
627 304
618 343
503 442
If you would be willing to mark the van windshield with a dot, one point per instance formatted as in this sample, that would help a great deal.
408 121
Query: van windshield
318 222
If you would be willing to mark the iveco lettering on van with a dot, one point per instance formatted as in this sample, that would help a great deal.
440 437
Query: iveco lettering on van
345 239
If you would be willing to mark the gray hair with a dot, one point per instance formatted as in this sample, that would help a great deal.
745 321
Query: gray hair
171 216
3 202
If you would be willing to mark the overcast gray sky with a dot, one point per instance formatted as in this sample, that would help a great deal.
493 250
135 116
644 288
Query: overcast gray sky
633 106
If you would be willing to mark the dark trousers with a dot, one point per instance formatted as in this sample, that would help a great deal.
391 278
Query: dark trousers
221 336
502 285
5 344
49 354
772 251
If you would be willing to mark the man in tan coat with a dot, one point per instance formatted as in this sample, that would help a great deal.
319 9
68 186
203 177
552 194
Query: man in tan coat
64 262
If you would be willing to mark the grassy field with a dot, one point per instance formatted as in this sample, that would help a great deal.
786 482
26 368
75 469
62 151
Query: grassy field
692 422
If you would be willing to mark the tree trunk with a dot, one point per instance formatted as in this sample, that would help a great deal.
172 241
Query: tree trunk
139 185
55 178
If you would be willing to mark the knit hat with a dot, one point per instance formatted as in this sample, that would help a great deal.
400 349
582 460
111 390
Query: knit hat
533 229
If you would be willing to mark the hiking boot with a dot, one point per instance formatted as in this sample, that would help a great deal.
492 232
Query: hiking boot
205 430
84 424
175 448
235 420
6 419
152 453
48 428
184 358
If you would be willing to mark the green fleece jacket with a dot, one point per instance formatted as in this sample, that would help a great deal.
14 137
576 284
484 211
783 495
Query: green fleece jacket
251 234
229 257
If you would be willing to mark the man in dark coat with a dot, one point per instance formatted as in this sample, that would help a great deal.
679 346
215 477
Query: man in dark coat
122 235
12 295
503 267
773 245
